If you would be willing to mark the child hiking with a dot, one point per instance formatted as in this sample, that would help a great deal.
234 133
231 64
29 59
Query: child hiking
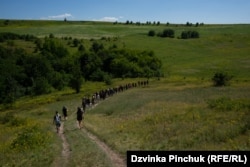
57 121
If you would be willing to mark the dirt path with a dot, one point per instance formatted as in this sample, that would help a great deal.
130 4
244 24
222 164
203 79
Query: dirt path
63 159
115 158
66 148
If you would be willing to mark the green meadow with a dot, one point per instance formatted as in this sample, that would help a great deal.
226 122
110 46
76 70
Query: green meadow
180 111
220 47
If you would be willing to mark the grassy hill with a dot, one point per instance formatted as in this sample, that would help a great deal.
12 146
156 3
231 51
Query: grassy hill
220 47
181 111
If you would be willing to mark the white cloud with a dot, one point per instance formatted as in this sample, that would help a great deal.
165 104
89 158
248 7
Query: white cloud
61 16
108 19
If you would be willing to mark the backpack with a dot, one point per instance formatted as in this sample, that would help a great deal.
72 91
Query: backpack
57 118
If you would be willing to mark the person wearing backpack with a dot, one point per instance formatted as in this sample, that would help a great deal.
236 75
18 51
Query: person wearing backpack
79 116
57 121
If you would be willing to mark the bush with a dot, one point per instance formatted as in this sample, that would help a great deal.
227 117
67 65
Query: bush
190 34
221 79
151 33
168 33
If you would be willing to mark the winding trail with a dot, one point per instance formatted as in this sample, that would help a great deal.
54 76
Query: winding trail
115 158
63 160
66 148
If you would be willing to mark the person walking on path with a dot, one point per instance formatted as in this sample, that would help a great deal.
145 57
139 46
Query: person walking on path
65 112
79 115
57 121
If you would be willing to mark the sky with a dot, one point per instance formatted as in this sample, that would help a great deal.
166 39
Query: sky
172 11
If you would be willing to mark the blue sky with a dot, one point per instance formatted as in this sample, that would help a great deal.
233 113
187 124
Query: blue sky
173 11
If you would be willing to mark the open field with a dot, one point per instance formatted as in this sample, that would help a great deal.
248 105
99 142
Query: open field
173 118
181 111
220 47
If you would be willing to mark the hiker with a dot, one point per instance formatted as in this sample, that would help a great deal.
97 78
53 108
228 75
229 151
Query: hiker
57 121
84 103
79 114
65 112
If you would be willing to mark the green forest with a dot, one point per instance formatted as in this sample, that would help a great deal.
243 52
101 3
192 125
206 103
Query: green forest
47 64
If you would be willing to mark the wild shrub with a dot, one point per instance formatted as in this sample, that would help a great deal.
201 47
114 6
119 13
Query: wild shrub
151 33
190 34
168 33
221 79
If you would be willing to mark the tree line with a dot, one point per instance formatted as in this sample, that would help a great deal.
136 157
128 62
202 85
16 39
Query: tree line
52 67
170 33
157 23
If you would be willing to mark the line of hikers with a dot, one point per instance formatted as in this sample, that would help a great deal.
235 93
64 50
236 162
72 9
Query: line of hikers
88 102
103 94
